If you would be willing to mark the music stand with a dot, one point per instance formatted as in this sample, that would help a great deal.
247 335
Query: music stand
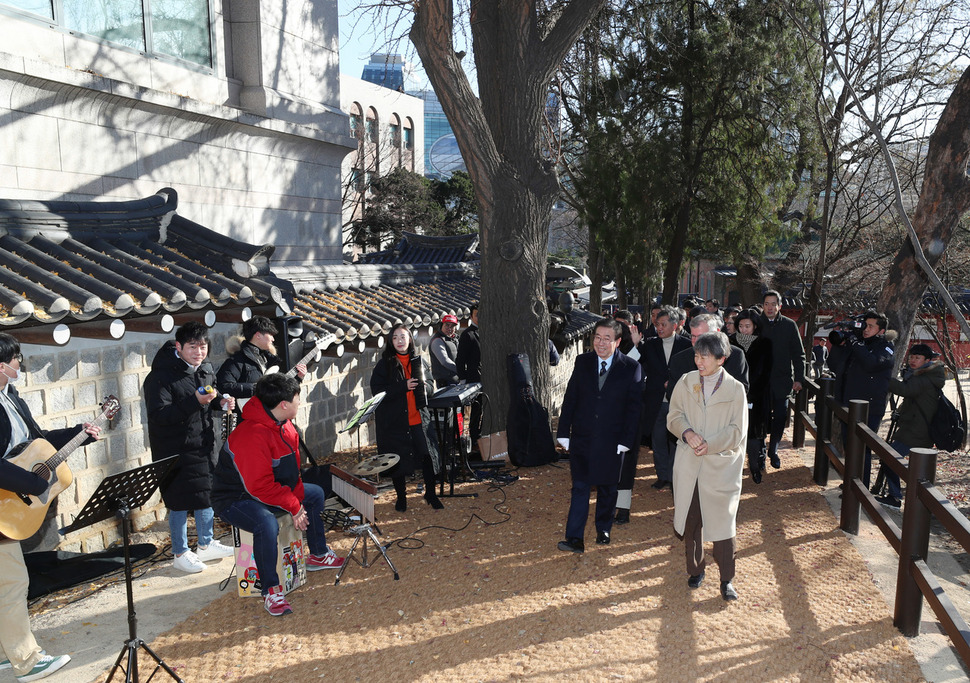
118 495
362 416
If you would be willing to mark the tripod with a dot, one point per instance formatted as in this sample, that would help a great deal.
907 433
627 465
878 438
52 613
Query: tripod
118 495
366 532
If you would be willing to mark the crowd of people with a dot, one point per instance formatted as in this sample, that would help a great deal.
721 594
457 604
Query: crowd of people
705 389
714 388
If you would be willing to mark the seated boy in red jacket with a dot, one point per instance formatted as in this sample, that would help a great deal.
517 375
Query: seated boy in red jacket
258 474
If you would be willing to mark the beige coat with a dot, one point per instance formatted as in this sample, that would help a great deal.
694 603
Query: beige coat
723 422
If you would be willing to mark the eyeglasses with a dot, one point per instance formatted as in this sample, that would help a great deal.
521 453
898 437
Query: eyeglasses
18 357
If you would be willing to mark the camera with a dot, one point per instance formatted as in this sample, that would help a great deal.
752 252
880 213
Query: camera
847 331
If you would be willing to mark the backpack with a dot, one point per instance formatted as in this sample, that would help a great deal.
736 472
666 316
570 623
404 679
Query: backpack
947 426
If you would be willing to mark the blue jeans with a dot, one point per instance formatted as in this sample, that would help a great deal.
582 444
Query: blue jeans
177 520
259 519
892 479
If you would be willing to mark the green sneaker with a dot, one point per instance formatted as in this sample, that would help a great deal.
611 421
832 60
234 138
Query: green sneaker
44 667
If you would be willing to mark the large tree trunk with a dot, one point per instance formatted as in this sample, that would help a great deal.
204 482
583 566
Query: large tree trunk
499 133
750 282
944 198
595 263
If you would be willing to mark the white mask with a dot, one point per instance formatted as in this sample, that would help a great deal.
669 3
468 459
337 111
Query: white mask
15 378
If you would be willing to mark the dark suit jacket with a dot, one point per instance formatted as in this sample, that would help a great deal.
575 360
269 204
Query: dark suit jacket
597 420
787 354
683 362
655 374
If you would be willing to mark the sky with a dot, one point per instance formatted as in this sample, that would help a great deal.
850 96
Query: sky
361 35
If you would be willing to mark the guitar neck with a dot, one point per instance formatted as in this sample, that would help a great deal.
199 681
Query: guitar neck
55 460
307 358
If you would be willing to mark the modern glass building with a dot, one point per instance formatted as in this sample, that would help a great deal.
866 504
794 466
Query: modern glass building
390 71
441 154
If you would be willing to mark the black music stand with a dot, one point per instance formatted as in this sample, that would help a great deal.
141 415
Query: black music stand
362 416
118 495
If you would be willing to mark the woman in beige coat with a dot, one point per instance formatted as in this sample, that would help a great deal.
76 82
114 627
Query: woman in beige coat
709 414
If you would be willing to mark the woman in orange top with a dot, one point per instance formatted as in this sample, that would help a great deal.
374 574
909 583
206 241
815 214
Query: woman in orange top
402 418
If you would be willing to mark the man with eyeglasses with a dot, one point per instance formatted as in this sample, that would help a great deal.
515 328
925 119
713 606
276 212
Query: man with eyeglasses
598 425
21 651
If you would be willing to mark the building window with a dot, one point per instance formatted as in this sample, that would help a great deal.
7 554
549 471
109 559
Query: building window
408 138
357 180
372 133
396 135
356 129
175 28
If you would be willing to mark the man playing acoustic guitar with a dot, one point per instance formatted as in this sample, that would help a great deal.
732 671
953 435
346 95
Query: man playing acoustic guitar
17 426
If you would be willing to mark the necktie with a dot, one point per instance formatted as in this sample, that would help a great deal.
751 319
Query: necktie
602 368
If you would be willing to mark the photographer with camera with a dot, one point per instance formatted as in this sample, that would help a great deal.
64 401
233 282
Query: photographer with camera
862 360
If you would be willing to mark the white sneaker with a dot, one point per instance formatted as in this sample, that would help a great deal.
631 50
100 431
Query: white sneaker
44 667
5 664
187 562
213 551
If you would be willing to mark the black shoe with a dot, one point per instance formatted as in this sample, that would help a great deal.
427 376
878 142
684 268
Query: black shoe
622 516
889 501
775 460
756 476
661 484
727 591
572 545
402 504
603 537
695 581
431 499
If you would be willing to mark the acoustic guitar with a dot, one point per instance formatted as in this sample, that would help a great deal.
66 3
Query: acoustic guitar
21 515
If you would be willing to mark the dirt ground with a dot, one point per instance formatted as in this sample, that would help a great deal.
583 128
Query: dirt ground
484 595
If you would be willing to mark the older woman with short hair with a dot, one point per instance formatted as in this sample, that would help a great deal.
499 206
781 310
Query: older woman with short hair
709 414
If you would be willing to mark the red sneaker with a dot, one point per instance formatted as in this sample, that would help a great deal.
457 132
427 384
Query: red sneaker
275 603
315 563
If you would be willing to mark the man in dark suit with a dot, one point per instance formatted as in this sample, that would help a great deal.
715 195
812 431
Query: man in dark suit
598 426
655 354
787 367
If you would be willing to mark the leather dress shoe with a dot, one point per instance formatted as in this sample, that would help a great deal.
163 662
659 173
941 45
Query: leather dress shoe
572 545
622 516
695 581
727 591
756 476
662 484
603 537
775 460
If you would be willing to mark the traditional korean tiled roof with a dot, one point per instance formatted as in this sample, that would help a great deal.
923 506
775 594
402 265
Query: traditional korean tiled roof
78 261
416 249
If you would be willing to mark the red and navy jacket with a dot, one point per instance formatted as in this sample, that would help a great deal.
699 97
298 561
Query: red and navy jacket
259 461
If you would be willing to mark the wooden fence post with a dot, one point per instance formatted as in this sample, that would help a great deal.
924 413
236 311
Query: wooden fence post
823 428
914 542
798 427
854 457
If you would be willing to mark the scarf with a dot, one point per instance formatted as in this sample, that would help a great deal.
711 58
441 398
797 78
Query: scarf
745 340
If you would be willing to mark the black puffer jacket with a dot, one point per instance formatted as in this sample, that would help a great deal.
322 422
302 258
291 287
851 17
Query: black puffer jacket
391 416
240 371
179 425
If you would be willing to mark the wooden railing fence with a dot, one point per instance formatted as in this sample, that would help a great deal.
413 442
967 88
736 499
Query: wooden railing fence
923 502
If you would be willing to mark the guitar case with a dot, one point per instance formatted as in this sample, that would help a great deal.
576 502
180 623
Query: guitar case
527 427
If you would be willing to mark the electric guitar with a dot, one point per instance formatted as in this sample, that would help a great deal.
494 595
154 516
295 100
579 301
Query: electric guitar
21 515
314 354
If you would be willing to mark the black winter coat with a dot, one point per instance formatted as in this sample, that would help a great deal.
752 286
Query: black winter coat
862 370
239 373
179 425
759 358
391 416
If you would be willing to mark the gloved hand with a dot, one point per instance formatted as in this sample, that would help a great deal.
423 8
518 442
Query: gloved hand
621 449
564 443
